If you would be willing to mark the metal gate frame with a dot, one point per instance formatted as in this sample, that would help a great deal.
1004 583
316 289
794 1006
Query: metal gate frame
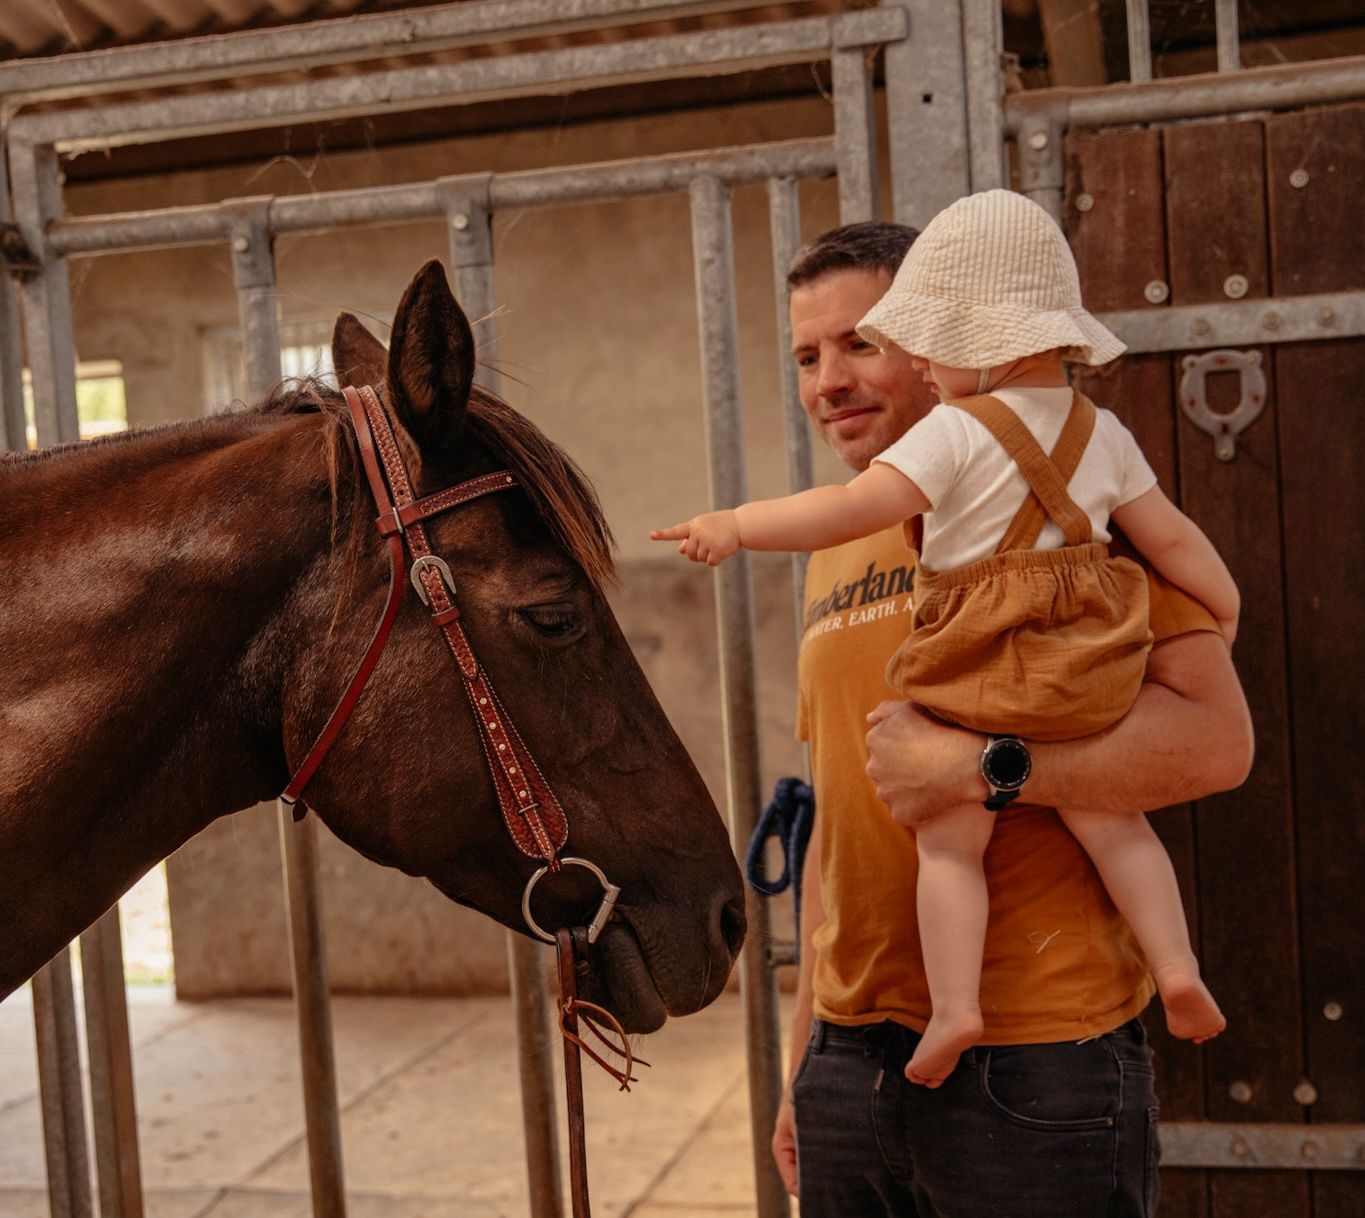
948 128
927 112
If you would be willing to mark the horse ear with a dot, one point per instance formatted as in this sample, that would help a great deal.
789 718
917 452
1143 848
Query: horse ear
357 356
431 361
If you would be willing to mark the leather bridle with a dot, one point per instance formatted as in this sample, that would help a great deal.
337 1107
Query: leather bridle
534 817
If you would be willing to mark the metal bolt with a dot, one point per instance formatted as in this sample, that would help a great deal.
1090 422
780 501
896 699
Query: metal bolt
1038 141
460 221
1332 1011
1309 1150
1327 318
1299 179
1085 202
1156 291
1235 287
1240 1092
1240 1148
241 244
1305 1093
1271 321
1199 326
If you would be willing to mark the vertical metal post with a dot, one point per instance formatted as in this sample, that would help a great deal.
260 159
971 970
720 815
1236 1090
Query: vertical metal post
13 427
111 1069
1139 41
855 129
253 258
469 227
1041 139
784 223
926 112
1229 40
59 1089
46 296
983 41
713 255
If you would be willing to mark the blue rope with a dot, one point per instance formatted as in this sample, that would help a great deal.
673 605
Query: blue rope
789 818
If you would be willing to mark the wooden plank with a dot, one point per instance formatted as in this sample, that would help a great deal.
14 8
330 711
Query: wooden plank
1121 173
1314 164
1215 213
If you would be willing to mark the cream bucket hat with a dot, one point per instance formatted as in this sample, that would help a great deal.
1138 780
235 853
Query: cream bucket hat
989 280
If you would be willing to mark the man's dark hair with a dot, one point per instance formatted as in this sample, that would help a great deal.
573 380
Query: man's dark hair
871 245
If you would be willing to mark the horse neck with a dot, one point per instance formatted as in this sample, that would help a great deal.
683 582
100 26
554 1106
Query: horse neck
144 583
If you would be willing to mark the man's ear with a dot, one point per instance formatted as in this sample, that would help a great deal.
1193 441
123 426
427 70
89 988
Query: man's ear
431 362
358 357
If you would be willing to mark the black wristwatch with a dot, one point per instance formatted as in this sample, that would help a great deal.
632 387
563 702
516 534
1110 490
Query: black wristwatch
1006 764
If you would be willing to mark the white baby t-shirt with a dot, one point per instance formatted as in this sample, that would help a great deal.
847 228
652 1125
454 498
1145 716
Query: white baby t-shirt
976 488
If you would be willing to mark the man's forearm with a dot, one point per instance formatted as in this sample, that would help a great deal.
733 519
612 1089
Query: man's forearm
1188 735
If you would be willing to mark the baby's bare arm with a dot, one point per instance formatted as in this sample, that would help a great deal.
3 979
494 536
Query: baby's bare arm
1178 548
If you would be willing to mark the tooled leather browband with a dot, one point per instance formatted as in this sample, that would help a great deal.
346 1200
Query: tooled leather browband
533 815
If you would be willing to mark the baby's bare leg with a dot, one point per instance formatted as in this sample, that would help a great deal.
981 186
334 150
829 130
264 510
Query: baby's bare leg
1138 874
952 902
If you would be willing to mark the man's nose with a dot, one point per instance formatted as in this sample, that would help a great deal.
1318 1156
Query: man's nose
836 377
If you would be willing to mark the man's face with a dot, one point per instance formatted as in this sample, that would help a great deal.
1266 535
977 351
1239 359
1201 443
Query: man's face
859 399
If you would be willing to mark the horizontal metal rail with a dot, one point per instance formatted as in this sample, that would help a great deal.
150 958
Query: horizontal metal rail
210 223
336 41
1296 1147
1282 87
710 52
1241 323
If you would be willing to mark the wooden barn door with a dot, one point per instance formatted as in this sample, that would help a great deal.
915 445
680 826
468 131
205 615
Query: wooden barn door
1272 873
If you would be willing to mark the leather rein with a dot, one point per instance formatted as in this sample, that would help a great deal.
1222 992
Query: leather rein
533 815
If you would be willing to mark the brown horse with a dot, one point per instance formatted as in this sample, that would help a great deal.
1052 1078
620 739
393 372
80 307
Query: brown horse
181 608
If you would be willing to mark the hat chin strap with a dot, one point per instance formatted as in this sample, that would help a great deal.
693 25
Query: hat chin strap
983 380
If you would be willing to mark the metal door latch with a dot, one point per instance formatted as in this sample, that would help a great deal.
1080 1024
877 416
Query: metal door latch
1224 428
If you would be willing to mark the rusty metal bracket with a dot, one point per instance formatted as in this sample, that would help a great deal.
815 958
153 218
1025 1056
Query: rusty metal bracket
19 260
1224 428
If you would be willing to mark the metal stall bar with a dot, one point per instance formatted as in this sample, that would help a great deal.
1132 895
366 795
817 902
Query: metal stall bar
1038 120
253 264
1139 41
718 325
340 40
983 40
542 72
13 426
59 1089
469 226
1229 42
855 125
110 1055
926 112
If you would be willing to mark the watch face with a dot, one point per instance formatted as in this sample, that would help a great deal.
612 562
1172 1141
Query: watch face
1006 763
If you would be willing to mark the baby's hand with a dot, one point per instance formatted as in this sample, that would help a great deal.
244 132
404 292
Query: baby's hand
710 538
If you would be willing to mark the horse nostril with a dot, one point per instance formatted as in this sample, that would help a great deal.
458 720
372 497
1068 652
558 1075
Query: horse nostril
733 925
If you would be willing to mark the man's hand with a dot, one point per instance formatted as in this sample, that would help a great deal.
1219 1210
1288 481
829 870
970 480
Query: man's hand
710 538
784 1145
922 766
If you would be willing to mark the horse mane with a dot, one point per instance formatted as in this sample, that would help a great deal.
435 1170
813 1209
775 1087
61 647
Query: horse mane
560 493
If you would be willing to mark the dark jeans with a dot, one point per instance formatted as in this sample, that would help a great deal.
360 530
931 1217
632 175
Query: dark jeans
1021 1131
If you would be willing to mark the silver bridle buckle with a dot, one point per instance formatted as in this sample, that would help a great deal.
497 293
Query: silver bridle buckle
439 566
609 894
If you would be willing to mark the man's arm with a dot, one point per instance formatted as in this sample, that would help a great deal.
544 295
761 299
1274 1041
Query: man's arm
1188 735
812 915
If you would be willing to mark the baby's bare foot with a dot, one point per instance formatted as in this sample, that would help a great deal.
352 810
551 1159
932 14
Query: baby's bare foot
942 1044
1191 1012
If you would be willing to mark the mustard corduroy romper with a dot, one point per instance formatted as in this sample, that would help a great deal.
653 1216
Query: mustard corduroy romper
1047 644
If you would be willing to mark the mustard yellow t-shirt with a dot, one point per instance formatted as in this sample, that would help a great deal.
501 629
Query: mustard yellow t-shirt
1060 964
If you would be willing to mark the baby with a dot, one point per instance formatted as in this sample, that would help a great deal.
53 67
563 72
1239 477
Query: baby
1023 624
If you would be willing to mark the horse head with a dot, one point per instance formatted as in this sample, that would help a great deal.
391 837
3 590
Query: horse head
407 783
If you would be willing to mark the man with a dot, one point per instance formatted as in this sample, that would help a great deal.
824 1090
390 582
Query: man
1054 1113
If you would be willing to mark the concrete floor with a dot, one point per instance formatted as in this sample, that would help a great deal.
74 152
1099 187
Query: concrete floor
430 1100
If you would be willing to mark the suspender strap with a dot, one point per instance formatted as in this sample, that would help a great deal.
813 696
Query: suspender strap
1047 477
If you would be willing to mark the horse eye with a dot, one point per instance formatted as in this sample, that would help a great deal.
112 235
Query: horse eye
553 621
